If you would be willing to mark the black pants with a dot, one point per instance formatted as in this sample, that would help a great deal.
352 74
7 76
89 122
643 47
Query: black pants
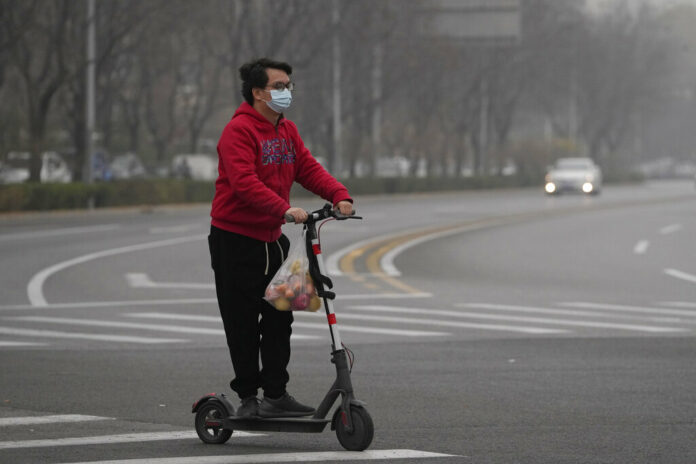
243 268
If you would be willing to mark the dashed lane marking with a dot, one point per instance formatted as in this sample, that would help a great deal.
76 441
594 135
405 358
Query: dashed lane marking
641 247
322 456
680 275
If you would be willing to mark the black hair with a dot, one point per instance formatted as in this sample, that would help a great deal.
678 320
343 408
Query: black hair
254 75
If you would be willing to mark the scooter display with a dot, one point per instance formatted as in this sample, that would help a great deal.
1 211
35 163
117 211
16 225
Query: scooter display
215 416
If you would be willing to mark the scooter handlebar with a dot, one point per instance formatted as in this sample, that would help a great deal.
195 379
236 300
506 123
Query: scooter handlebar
326 212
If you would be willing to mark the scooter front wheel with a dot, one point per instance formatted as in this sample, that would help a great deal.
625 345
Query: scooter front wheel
363 429
209 423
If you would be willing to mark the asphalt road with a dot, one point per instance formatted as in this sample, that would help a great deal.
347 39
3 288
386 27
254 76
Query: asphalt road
488 327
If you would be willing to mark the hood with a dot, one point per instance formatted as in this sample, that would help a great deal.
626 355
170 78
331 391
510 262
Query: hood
259 120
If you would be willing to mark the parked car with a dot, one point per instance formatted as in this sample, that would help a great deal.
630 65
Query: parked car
195 167
573 174
16 168
127 166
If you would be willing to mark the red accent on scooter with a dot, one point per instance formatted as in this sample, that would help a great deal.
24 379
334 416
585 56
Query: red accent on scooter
316 248
344 418
332 319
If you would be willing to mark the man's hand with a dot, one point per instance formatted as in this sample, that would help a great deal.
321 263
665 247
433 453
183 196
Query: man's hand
345 207
298 214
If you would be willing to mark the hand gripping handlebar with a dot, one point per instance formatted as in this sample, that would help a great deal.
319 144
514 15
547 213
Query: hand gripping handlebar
326 212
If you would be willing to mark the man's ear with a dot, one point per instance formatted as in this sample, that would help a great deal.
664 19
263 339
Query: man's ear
258 94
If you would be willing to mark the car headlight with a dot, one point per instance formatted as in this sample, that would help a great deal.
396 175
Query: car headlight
587 187
550 187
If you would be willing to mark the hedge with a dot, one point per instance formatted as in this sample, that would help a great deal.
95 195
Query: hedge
150 192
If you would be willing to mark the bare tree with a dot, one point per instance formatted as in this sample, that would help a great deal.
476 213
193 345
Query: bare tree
39 30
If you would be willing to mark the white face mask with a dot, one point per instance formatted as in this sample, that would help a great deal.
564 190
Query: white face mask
280 100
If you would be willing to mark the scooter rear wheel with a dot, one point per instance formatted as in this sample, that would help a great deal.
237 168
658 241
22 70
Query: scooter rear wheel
363 429
209 423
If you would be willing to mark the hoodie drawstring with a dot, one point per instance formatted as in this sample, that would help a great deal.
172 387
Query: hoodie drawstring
267 259
282 256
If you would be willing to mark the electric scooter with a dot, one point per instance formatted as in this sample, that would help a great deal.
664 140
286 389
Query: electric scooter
215 419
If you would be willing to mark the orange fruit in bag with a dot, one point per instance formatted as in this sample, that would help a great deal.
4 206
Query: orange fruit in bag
314 303
282 304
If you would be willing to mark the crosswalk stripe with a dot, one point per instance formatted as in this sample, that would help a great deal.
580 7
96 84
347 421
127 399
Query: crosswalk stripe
373 330
86 336
533 330
176 317
57 418
679 304
109 439
131 325
306 325
116 324
563 312
630 309
317 456
540 320
8 343
465 325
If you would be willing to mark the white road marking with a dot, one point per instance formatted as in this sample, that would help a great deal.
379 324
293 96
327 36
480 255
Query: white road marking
114 304
679 304
175 229
372 330
110 439
85 336
562 312
123 325
176 317
534 330
56 232
7 343
133 325
54 419
139 280
465 325
641 247
35 286
680 275
540 320
629 309
387 261
305 325
317 456
193 301
670 229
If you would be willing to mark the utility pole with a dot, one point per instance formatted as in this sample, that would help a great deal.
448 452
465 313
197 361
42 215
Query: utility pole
90 93
336 165
378 56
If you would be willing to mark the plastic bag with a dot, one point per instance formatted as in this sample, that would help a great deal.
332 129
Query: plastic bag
292 288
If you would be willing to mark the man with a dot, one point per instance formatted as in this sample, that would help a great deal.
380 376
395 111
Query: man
260 155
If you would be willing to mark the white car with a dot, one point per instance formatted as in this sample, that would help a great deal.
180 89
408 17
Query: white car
574 174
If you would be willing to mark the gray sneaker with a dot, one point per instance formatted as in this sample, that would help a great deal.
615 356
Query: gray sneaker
249 407
285 406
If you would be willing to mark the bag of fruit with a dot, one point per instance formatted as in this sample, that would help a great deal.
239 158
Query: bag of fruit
292 288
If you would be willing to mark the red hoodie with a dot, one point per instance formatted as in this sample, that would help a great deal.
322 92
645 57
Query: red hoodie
258 163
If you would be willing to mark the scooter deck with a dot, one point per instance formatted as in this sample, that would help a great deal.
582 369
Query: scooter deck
275 424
